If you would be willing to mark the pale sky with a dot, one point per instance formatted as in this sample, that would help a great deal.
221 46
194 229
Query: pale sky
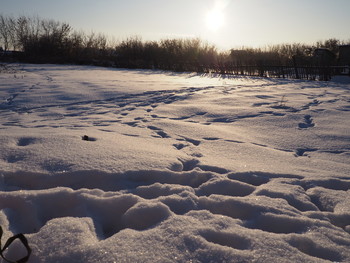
225 23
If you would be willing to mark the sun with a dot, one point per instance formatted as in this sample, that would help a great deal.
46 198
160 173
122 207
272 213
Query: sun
215 20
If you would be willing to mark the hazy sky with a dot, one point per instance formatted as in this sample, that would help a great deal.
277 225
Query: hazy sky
225 23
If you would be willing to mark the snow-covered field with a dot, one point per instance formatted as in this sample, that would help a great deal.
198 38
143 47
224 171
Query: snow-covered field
174 168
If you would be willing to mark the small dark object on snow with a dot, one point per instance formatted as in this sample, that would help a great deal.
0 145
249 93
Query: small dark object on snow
88 138
21 238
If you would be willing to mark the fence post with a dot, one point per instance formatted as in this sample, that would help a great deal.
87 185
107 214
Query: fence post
295 68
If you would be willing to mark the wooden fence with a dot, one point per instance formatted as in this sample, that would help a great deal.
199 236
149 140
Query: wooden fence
291 72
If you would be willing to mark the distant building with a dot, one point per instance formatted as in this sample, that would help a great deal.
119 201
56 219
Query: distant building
344 55
324 57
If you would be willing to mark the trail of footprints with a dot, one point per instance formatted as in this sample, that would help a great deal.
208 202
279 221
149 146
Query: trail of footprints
149 117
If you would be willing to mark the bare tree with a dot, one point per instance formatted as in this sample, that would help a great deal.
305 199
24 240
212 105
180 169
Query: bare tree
5 32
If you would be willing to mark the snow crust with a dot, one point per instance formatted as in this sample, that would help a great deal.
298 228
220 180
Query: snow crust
174 167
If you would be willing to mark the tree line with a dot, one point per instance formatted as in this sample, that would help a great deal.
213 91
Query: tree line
40 40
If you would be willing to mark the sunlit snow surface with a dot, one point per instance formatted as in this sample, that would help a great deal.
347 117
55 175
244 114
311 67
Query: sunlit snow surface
175 168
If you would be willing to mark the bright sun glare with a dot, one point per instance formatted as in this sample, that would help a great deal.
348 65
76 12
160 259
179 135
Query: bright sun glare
215 19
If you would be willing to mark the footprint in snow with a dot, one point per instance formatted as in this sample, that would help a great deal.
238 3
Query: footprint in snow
25 141
308 122
163 134
192 141
179 146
